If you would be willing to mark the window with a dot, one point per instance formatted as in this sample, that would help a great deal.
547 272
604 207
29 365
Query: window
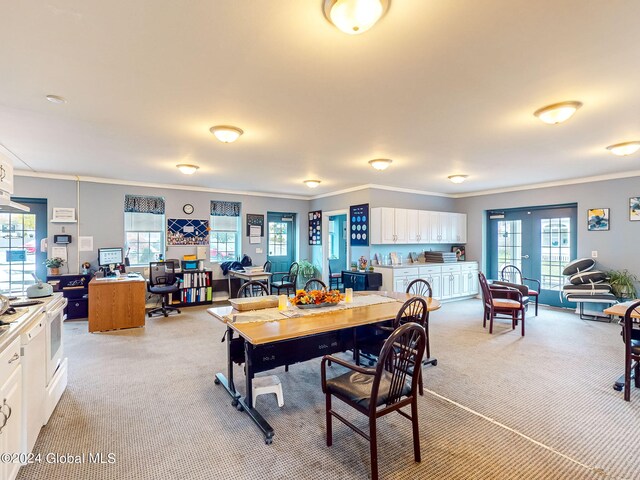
509 243
144 236
278 233
555 251
225 231
225 236
144 228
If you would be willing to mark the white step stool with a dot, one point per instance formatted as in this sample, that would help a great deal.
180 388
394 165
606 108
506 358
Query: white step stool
268 384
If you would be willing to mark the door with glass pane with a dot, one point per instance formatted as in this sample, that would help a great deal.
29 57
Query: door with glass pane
20 254
540 241
280 241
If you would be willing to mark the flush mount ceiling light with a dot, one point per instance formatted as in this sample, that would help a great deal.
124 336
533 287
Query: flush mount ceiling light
380 163
626 148
312 183
187 169
56 99
457 178
354 16
226 133
558 112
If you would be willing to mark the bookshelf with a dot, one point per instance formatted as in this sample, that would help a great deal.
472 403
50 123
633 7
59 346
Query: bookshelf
195 289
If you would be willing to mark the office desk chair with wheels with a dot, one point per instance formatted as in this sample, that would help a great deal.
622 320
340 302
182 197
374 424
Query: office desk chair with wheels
163 281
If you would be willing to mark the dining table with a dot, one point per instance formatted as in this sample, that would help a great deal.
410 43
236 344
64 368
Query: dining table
265 339
619 310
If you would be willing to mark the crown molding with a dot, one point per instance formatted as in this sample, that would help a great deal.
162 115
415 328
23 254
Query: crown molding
373 186
113 181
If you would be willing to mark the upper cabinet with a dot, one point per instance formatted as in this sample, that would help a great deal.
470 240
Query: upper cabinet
399 225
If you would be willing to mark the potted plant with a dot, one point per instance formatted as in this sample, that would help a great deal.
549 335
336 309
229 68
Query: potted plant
307 270
54 264
354 267
623 284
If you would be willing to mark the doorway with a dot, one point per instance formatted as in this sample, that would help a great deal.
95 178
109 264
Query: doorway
20 254
540 241
335 242
281 240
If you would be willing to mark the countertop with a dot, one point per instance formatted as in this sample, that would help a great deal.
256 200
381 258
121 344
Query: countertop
10 333
423 264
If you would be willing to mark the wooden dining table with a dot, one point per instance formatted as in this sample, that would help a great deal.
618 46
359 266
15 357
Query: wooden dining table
619 310
265 345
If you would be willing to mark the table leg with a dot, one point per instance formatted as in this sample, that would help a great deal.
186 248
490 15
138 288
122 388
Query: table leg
227 382
229 279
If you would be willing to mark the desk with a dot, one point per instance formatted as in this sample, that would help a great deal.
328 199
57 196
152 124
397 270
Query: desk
263 346
249 276
618 311
116 303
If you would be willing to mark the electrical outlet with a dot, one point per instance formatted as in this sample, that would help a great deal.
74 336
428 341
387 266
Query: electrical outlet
594 254
258 250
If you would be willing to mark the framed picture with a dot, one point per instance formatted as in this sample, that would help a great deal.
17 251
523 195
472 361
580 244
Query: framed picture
315 227
634 209
598 219
254 220
460 252
359 225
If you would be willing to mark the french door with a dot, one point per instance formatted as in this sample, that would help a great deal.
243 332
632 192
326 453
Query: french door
540 241
281 240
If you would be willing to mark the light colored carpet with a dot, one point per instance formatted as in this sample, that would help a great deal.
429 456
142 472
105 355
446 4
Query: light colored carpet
147 395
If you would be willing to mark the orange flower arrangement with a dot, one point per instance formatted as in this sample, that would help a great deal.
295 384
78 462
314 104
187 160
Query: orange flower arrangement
316 297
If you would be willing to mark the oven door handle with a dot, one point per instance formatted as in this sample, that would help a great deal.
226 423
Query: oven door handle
58 310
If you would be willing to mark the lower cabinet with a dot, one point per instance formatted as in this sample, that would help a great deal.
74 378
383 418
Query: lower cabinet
10 409
448 282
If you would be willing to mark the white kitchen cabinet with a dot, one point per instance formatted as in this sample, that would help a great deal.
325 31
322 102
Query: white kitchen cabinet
388 225
469 279
433 275
11 408
459 231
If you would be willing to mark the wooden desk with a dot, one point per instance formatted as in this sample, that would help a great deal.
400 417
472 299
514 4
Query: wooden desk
263 346
246 276
116 303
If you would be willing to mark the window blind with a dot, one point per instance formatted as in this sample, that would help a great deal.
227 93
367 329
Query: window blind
144 204
225 209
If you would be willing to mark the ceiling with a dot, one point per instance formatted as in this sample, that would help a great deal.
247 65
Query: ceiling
439 86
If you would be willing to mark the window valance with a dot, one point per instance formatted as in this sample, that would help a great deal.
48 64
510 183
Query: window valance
144 204
225 209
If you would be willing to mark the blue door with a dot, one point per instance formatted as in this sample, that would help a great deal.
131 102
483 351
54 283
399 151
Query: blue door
540 241
281 240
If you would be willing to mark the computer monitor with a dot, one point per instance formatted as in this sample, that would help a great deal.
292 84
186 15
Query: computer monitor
108 256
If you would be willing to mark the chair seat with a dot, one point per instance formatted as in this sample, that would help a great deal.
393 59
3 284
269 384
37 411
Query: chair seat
282 284
164 289
533 293
336 275
356 387
505 303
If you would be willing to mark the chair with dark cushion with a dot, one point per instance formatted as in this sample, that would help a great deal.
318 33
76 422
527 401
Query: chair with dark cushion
421 287
631 337
335 273
287 280
507 301
375 392
163 281
315 284
511 273
252 289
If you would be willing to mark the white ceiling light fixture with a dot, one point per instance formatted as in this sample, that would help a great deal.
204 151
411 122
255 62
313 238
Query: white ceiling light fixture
380 163
226 133
558 112
312 183
354 16
457 178
623 149
57 99
187 169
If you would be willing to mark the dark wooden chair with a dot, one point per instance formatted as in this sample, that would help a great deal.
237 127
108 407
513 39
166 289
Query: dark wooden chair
335 273
315 284
375 392
510 304
287 280
631 337
413 310
252 289
511 273
421 287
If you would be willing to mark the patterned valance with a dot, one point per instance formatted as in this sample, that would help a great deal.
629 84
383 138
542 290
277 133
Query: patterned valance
225 209
144 204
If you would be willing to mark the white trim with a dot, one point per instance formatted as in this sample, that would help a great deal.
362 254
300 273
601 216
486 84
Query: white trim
325 242
340 192
113 181
381 187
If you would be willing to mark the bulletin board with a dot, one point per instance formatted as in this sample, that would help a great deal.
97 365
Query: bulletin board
315 227
359 216
254 220
187 232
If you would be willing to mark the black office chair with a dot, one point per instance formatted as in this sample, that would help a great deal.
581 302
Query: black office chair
252 289
287 281
163 281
